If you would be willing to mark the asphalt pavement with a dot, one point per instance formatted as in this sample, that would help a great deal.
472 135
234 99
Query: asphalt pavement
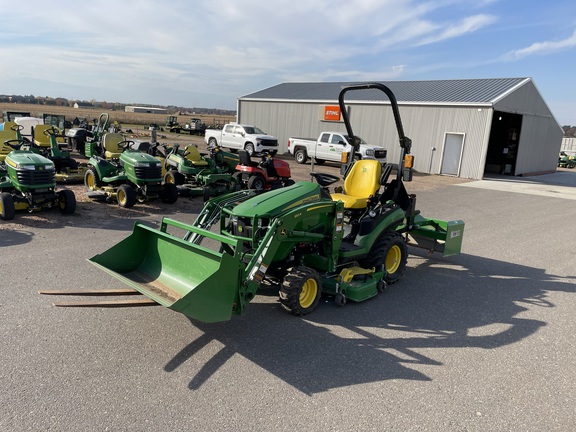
480 341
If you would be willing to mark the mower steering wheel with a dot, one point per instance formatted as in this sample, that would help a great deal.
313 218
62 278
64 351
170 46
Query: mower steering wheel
125 144
16 146
50 131
16 128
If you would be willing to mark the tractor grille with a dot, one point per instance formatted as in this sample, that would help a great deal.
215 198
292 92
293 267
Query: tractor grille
27 177
269 142
380 154
146 173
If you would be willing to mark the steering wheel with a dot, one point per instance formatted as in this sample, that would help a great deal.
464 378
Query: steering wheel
16 128
125 144
14 143
324 179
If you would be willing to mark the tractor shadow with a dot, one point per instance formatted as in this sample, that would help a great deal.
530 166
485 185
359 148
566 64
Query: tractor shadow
463 302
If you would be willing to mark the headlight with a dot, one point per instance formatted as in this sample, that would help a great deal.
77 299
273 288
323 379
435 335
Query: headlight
26 167
370 152
49 167
141 164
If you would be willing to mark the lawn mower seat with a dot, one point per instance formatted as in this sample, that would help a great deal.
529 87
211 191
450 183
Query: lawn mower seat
41 139
245 159
193 155
6 135
362 181
112 149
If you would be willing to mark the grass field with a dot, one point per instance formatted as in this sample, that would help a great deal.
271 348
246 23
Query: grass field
119 116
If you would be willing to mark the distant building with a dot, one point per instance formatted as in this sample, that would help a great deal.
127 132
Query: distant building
148 110
85 105
464 128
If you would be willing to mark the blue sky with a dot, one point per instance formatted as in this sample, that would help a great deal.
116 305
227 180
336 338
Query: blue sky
208 53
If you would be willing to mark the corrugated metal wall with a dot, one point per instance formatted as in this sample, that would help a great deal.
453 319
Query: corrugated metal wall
425 125
569 145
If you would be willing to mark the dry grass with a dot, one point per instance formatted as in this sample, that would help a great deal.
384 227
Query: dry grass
119 116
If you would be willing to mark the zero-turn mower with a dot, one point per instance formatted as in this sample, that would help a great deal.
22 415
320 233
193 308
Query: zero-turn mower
195 175
346 246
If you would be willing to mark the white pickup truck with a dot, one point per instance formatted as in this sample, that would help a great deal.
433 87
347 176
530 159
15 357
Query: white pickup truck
329 147
238 136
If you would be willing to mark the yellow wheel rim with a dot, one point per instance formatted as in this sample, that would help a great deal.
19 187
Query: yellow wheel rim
308 293
121 196
169 179
90 181
393 259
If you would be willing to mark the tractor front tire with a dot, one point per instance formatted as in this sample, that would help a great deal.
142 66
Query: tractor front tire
126 196
390 251
92 179
7 210
67 201
174 177
300 291
169 193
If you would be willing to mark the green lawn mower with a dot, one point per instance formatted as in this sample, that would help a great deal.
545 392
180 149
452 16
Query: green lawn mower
566 161
195 175
346 246
50 143
28 182
126 176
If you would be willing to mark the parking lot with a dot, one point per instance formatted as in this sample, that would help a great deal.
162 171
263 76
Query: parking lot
480 341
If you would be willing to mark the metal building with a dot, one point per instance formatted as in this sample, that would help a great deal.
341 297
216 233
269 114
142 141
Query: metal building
464 127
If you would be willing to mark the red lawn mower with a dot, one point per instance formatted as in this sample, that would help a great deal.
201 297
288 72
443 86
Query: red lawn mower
267 174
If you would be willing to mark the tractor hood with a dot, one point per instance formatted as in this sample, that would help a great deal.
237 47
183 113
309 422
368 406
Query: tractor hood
278 201
26 158
137 158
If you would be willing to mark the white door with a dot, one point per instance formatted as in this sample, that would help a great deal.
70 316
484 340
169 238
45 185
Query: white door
453 145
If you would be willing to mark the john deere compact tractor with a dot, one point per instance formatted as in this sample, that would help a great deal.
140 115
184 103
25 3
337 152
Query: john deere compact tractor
28 182
196 175
346 246
125 175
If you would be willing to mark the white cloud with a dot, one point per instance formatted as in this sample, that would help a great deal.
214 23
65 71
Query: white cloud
546 47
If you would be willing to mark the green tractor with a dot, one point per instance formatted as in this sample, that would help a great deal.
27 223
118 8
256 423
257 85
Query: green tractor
346 246
126 175
28 182
566 161
196 175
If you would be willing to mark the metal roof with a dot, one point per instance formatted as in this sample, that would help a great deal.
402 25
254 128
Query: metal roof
459 91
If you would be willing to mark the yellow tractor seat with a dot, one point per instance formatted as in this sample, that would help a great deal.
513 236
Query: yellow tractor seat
42 139
110 143
193 155
6 135
362 182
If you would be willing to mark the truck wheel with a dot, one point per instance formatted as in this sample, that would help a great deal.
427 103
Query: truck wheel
169 193
212 142
92 179
300 291
390 251
301 156
7 210
256 182
249 149
126 196
66 201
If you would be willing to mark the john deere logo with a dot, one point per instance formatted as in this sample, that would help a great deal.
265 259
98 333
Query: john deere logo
41 167
364 169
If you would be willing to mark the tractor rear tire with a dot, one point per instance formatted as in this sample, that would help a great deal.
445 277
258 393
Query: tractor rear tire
92 179
256 182
7 210
300 291
169 193
126 196
66 201
390 251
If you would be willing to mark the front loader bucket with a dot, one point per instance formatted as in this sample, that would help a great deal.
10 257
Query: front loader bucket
185 277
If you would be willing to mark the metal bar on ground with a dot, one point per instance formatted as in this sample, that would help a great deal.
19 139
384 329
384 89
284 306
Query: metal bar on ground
108 303
100 292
